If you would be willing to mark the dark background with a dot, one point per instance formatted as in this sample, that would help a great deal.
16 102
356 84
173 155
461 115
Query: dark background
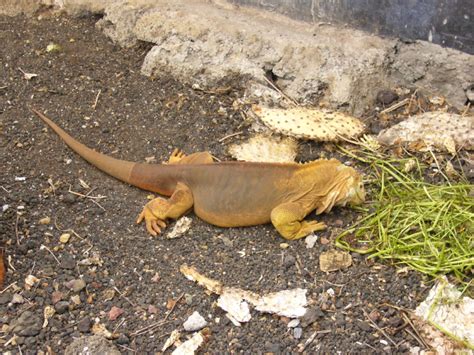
449 23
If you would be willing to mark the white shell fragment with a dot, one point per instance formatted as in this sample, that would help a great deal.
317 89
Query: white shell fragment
438 129
235 306
173 338
311 123
288 303
190 346
447 309
265 149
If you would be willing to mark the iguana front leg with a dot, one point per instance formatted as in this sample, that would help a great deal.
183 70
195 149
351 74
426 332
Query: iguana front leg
158 210
178 157
288 221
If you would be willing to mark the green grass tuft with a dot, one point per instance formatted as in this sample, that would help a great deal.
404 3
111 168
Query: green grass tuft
427 227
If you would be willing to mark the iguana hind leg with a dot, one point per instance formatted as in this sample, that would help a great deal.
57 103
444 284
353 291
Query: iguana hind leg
158 210
288 221
178 157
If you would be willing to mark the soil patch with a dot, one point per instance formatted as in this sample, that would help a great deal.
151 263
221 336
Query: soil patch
135 118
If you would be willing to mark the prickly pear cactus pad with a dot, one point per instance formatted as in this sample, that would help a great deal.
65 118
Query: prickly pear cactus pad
436 129
310 123
265 149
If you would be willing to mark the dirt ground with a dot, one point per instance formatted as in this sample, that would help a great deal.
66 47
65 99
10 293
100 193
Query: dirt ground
95 91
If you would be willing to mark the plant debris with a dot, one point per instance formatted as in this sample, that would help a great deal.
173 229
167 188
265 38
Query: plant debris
334 260
439 130
311 123
265 149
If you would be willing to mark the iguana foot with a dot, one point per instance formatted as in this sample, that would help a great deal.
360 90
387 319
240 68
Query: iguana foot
176 156
288 221
149 214
158 210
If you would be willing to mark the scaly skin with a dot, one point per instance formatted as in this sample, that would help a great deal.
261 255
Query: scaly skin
232 194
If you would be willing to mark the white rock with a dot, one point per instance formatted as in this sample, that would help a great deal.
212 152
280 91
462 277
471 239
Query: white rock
310 241
293 323
194 322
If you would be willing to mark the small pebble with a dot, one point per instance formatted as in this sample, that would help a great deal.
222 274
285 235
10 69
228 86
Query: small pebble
76 285
297 332
293 323
84 325
310 241
64 238
194 322
61 307
386 97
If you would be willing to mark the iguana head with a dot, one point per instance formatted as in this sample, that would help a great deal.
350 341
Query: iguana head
351 192
345 188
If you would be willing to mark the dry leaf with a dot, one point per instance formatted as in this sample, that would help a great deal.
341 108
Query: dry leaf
100 329
48 313
171 303
30 281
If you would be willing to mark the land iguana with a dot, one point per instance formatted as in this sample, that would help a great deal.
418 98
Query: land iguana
232 194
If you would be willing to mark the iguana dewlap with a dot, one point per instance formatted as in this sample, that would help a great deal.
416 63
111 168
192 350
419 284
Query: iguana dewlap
232 194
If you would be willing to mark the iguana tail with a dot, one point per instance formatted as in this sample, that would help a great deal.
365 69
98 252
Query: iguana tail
117 168
152 177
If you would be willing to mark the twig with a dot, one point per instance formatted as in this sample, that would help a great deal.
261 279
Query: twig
370 346
412 98
230 136
396 106
439 167
3 87
10 264
125 297
87 195
378 328
54 256
92 198
96 99
466 110
9 286
52 187
293 101
149 328
4 189
119 325
68 230
16 229
174 306
127 348
419 338
311 339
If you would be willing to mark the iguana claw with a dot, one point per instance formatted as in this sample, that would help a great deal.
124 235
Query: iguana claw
176 156
153 223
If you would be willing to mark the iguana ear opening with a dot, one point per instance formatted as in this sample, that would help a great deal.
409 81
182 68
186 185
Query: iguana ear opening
328 202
